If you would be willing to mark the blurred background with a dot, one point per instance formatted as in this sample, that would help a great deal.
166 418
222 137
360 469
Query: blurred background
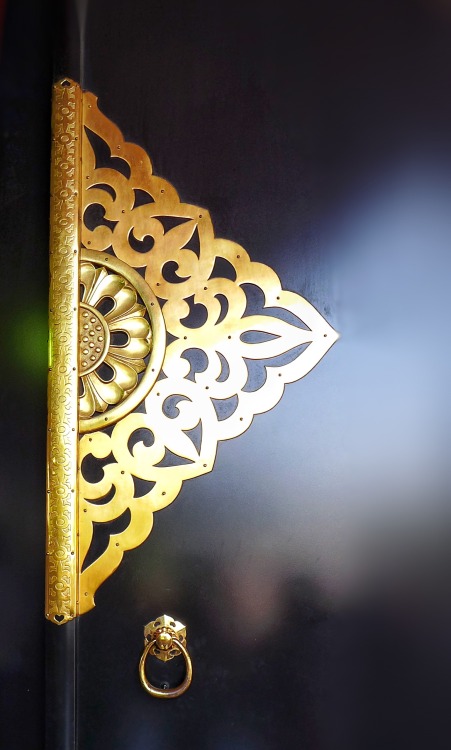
312 566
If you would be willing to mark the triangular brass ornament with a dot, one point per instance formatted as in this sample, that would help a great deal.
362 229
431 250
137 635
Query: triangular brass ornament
149 346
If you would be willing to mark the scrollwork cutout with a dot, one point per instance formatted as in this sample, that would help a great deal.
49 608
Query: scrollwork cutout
204 392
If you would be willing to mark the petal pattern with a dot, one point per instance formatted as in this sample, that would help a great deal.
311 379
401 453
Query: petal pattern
124 362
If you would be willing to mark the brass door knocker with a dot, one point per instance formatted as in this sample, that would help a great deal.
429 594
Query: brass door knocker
165 638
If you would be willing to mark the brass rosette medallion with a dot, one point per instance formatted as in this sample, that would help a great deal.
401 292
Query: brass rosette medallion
173 340
120 337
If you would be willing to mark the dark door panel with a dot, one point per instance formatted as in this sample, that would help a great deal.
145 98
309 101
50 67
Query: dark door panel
310 566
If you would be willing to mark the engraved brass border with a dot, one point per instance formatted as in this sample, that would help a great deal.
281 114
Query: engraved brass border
62 435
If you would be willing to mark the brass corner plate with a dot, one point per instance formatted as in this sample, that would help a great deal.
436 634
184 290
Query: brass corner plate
149 345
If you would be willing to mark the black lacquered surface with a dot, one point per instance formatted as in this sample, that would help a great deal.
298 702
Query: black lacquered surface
25 83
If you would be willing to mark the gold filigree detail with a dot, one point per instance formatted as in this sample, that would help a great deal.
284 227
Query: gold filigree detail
62 563
207 390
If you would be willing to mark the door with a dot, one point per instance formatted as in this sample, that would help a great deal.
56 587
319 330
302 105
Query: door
310 564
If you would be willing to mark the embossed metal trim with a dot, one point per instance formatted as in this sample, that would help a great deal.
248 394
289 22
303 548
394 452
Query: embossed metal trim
62 562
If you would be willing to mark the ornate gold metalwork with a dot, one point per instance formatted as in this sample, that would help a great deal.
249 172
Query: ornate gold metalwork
62 558
162 631
165 638
205 334
120 284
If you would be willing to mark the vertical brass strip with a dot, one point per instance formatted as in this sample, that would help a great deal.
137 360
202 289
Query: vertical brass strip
62 547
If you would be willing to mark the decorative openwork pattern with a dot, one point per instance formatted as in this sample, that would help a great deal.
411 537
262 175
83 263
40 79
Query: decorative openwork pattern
207 390
181 339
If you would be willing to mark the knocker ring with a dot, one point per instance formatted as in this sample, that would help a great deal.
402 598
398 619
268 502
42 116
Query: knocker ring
165 638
